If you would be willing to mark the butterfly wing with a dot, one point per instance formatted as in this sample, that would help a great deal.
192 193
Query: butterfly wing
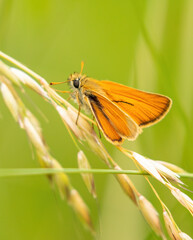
114 123
143 107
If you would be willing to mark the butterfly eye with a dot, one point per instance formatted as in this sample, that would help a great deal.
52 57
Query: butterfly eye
76 83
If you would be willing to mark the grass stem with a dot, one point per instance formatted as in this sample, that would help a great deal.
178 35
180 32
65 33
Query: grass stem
39 171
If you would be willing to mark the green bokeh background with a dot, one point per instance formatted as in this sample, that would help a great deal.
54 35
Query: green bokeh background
143 44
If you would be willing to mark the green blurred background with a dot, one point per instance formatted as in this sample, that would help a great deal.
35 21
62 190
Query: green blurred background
144 44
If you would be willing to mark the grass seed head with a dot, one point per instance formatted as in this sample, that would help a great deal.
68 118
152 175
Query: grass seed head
60 179
82 123
10 102
97 147
5 71
80 208
34 121
166 172
69 121
89 134
150 214
184 199
146 165
88 178
184 236
171 226
34 136
127 185
156 169
29 81
172 167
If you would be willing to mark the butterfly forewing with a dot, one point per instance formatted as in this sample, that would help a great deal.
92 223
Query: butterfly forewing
143 107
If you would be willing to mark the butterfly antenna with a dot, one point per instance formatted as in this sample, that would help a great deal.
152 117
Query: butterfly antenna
82 66
56 83
62 91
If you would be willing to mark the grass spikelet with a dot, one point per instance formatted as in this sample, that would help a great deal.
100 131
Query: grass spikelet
67 191
184 199
67 120
82 122
88 178
151 215
10 101
184 236
34 122
156 169
171 226
5 71
60 179
81 209
89 134
97 147
146 165
34 136
172 167
29 82
166 172
127 185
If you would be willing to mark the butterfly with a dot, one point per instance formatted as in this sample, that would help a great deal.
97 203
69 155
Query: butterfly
121 112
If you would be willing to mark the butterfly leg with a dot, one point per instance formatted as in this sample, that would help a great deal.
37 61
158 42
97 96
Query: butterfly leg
62 91
68 98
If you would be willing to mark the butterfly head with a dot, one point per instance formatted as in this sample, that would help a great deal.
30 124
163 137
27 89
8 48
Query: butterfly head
75 80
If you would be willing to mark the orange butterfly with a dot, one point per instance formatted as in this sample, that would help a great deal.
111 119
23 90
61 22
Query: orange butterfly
120 111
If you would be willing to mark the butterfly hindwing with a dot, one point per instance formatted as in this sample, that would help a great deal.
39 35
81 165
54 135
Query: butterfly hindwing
114 123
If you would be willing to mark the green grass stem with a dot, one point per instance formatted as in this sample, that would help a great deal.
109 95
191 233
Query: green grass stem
11 172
